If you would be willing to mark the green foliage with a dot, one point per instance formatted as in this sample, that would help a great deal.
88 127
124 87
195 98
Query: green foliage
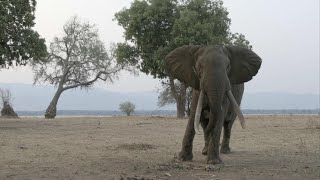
126 54
18 42
201 22
239 40
153 28
127 107
147 25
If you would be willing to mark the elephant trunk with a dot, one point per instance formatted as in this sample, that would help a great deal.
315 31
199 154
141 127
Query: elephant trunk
233 103
236 108
198 112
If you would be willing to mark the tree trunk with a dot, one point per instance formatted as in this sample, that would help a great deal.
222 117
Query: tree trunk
51 111
180 98
188 101
181 107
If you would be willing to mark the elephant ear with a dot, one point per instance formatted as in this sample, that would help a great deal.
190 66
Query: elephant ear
180 65
244 64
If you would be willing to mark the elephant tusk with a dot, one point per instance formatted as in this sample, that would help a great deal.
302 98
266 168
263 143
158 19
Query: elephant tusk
198 112
236 109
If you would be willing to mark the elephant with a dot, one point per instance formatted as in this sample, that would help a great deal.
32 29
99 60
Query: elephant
217 75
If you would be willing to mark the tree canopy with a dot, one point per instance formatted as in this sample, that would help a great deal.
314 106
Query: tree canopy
127 107
77 59
153 28
18 42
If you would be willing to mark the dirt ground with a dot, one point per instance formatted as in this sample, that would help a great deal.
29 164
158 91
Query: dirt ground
272 147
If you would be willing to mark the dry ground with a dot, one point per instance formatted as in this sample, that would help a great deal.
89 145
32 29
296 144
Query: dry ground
272 147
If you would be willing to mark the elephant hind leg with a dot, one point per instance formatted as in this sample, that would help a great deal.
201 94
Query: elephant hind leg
204 123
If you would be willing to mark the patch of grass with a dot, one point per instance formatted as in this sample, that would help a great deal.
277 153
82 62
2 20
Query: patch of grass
313 124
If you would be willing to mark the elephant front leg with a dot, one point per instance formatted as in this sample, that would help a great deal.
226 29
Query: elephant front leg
187 143
213 156
237 91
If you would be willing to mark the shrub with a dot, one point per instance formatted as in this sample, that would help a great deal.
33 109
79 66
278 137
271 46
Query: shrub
127 107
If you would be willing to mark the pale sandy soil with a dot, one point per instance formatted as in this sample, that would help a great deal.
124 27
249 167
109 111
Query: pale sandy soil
272 147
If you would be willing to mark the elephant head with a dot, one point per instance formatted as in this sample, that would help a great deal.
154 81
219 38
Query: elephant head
212 70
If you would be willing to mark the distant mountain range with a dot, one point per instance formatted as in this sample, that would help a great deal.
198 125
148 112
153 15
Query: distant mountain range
36 98
280 100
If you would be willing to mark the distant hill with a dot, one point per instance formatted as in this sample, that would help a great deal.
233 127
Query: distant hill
280 100
37 98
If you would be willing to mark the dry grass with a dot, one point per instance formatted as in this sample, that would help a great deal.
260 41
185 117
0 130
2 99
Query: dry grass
313 123
272 147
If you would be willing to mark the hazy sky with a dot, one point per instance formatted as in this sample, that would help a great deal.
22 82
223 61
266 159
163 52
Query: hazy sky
284 33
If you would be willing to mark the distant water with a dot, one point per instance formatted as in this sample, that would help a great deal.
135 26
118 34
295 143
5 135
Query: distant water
81 113
282 111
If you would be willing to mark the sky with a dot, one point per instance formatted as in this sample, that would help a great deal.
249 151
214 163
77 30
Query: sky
285 34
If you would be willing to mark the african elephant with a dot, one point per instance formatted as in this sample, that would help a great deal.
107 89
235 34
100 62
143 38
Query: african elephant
216 74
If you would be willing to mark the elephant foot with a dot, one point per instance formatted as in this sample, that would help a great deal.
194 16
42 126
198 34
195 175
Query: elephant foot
205 150
184 156
214 161
225 149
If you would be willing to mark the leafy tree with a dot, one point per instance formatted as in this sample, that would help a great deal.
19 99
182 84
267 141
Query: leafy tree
18 42
76 60
127 107
6 96
153 28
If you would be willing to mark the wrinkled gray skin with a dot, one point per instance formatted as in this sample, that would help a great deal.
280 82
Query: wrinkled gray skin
229 118
215 70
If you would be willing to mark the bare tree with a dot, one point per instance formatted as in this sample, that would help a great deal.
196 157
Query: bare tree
127 107
174 91
165 95
76 60
6 98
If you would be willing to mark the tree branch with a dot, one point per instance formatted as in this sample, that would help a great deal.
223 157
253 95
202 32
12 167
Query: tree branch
88 83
